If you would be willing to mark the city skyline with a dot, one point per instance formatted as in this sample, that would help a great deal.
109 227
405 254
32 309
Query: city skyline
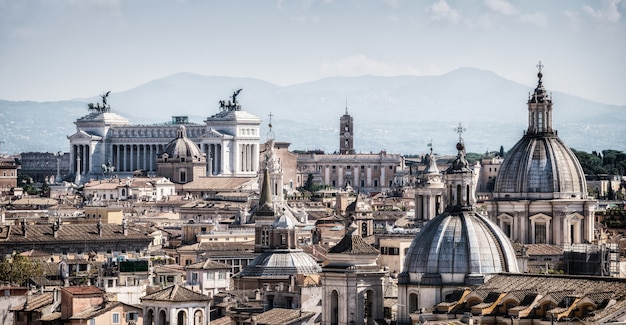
72 49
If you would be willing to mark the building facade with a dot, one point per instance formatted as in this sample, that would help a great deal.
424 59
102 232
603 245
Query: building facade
363 172
228 139
540 193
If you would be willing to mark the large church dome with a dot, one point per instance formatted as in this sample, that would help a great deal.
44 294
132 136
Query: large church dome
459 247
540 162
182 147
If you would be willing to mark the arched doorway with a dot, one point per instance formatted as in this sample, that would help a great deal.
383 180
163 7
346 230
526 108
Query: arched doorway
334 308
368 311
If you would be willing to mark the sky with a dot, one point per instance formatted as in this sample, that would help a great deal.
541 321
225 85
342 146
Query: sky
62 49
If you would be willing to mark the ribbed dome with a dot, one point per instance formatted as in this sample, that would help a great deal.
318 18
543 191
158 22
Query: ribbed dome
281 263
456 247
540 164
182 147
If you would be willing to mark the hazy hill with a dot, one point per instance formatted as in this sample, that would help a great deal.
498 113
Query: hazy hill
398 114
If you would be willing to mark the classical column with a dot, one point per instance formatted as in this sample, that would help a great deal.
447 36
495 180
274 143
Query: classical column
125 157
131 158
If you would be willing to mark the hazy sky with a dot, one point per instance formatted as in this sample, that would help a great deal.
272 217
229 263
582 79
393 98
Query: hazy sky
63 49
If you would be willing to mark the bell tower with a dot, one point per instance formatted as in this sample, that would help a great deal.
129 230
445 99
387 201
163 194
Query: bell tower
346 133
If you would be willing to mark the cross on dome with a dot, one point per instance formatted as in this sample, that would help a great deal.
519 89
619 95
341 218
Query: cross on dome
460 129
270 133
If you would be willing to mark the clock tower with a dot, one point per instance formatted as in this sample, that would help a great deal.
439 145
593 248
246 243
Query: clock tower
346 134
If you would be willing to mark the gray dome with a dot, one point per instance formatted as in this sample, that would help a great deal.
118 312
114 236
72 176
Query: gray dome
540 164
458 248
182 147
281 262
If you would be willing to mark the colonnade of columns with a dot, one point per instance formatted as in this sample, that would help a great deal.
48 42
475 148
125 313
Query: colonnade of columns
130 157
214 158
80 158
248 157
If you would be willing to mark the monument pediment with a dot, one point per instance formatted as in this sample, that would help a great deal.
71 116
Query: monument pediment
82 135
214 134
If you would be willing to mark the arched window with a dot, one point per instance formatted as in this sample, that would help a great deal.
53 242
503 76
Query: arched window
149 320
197 317
181 318
162 318
413 305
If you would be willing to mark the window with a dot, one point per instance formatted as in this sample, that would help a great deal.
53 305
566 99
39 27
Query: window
132 316
222 275
92 321
115 318
391 167
540 234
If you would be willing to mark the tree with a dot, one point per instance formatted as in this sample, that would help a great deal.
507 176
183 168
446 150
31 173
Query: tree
17 269
45 190
309 183
501 152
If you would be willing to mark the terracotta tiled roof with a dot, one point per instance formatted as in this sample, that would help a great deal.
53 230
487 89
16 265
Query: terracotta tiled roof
543 249
208 265
226 320
87 232
87 290
353 244
220 184
281 316
97 310
35 302
176 293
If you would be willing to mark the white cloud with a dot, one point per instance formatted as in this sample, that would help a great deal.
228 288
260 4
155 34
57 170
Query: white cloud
610 12
442 11
501 6
361 64
573 19
392 3
537 19
299 5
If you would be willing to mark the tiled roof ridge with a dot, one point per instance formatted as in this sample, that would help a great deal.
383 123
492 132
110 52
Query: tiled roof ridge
353 244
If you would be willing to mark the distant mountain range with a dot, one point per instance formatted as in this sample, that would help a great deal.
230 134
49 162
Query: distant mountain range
396 114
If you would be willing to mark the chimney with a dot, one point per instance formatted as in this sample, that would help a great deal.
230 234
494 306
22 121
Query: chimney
125 227
24 227
99 225
55 228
